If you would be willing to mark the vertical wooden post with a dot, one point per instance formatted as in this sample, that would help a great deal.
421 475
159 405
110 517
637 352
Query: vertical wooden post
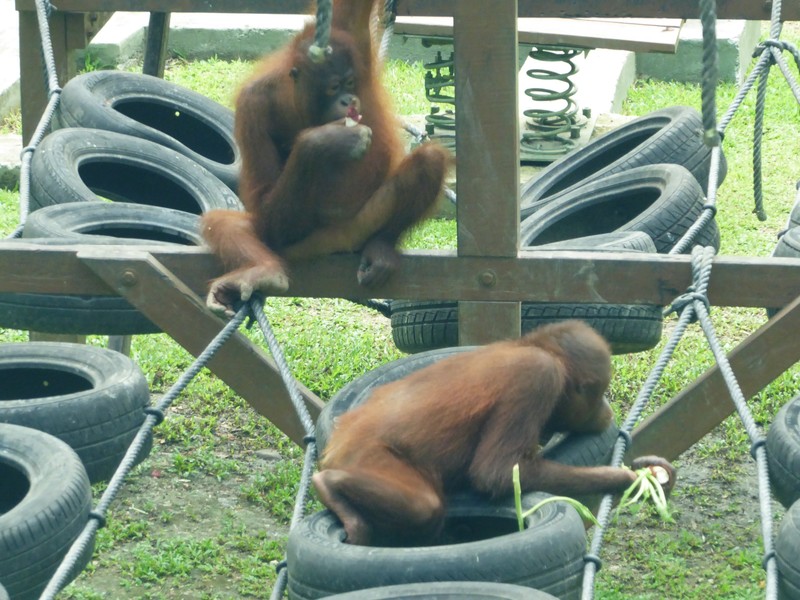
487 148
155 47
68 33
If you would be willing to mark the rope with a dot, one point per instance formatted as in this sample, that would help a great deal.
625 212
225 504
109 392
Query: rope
256 306
701 271
758 132
321 49
43 9
154 416
768 54
387 24
708 18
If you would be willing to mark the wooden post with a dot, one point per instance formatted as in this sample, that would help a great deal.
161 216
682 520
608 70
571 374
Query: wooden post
155 47
68 34
487 145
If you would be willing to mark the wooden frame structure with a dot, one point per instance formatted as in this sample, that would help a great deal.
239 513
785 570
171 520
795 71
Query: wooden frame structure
489 274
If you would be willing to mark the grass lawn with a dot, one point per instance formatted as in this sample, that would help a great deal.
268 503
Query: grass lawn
205 516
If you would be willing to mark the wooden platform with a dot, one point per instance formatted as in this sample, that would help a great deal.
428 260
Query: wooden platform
635 35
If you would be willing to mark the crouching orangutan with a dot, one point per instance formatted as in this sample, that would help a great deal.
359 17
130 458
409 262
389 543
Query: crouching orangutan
463 423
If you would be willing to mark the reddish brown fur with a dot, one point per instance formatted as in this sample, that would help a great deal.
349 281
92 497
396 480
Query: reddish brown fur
310 185
462 423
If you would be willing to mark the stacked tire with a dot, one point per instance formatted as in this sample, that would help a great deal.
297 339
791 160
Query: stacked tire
783 455
132 158
45 501
68 415
638 188
788 245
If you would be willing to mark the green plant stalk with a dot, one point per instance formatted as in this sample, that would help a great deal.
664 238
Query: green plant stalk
582 509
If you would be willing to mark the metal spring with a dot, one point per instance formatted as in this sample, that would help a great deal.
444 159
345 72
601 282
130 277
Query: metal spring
440 88
545 138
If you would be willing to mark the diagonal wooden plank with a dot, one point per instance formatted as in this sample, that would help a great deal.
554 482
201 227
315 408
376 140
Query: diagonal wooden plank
690 415
166 301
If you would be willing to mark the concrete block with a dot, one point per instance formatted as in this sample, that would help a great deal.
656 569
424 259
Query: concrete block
9 58
10 149
736 41
119 41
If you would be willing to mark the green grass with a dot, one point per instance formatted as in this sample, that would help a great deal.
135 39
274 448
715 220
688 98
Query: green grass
155 547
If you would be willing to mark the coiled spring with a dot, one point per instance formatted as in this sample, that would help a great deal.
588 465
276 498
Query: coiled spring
552 129
440 80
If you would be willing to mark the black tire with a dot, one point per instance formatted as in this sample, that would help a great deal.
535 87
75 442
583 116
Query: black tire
421 326
671 135
79 165
794 215
660 200
783 453
112 221
447 590
94 223
787 551
614 241
573 449
483 545
45 501
788 246
153 109
90 398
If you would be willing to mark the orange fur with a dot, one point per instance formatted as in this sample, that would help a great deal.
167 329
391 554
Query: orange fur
462 423
311 185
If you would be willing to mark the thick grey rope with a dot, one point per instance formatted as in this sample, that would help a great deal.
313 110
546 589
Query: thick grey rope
768 53
43 9
758 448
758 136
709 209
385 22
320 49
256 306
701 272
154 416
708 18
711 136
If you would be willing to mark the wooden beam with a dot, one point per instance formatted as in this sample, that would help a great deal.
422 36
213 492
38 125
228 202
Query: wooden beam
566 276
636 35
703 405
681 9
168 303
487 145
